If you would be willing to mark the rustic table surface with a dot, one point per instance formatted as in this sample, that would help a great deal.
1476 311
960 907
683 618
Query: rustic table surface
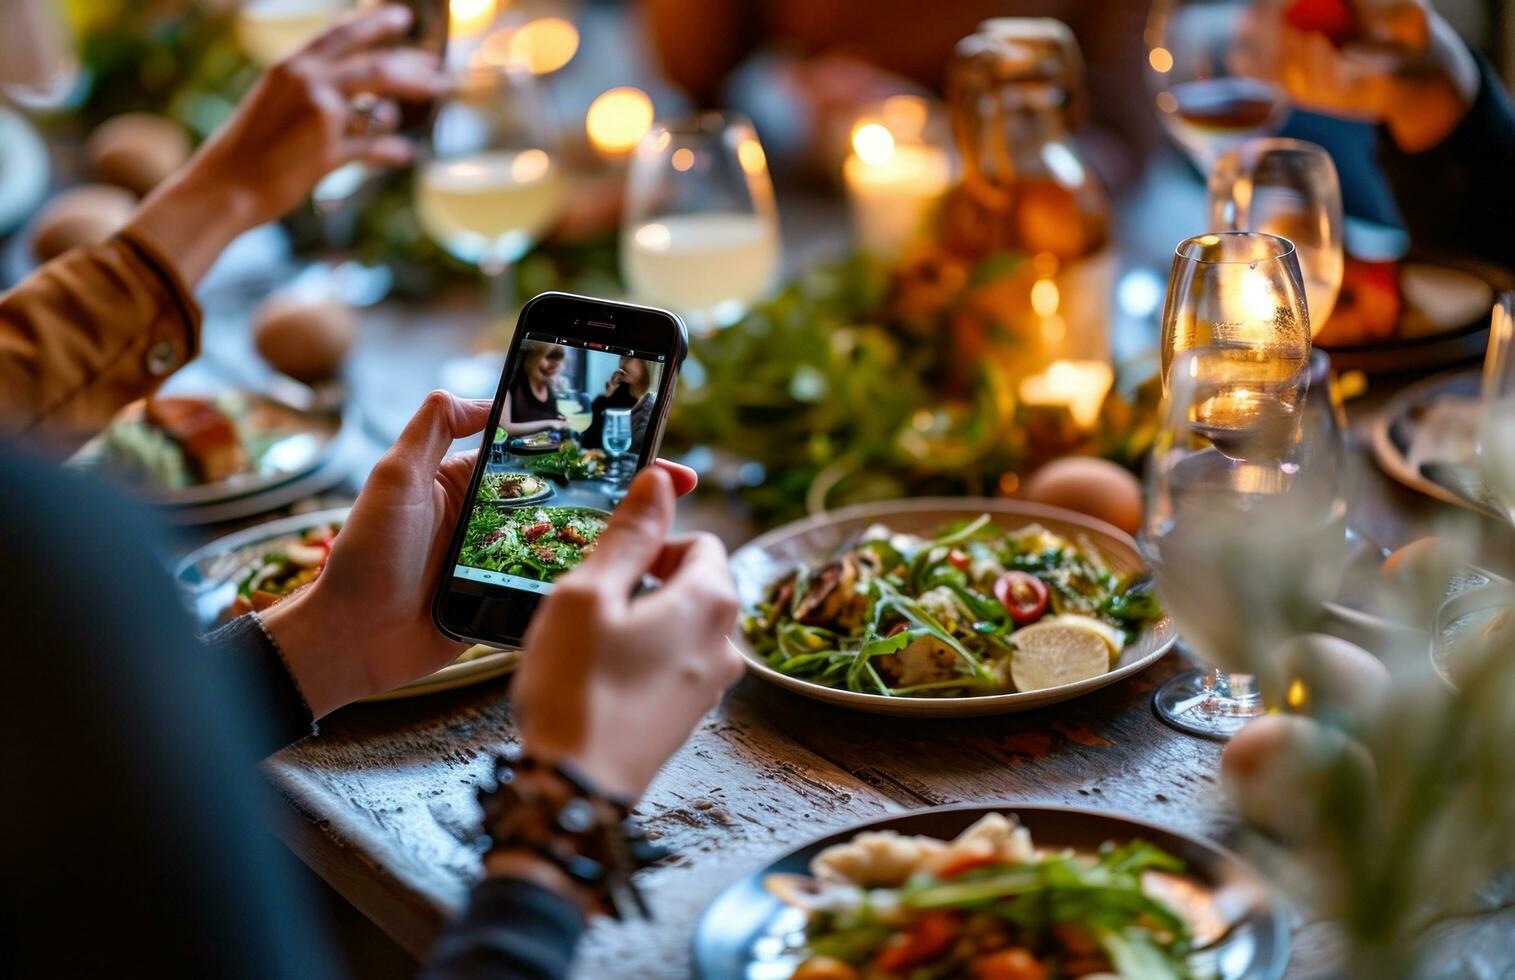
382 801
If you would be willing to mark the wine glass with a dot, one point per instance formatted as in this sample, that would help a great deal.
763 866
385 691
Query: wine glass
1496 428
1211 68
1244 547
1236 299
490 188
617 437
1287 188
700 231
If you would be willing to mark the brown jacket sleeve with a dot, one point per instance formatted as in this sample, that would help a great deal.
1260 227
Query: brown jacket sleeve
87 333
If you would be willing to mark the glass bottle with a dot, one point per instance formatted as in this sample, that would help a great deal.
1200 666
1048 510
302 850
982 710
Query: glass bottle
1013 87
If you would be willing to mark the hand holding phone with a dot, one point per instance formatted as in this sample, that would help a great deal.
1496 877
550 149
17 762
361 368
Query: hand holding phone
551 471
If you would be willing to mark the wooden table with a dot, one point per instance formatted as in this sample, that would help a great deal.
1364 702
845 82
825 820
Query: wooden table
382 802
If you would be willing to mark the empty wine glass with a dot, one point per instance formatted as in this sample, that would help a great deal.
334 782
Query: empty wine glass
490 188
1211 68
1287 188
617 437
1244 548
1235 298
700 232
1496 428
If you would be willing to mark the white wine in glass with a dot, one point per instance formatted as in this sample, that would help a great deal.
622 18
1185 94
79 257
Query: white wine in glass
490 206
700 233
1287 188
1212 73
489 189
269 30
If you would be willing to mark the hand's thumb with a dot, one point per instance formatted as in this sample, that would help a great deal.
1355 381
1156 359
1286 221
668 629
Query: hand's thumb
636 533
416 454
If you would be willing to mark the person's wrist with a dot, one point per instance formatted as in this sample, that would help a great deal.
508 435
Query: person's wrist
312 637
609 776
191 218
519 864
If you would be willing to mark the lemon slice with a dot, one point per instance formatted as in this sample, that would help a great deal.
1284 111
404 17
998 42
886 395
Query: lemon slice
1052 654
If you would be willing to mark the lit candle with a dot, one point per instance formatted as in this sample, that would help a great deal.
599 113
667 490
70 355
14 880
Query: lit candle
894 188
469 18
1078 386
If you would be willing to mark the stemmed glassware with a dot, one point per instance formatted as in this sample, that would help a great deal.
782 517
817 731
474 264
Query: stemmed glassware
617 438
490 188
700 231
1287 188
1211 68
1243 486
1496 425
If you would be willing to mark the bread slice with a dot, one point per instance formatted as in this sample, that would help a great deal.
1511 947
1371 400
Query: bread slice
209 439
1052 654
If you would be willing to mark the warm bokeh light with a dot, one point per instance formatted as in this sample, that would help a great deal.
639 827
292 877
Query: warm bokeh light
530 165
468 17
1078 386
906 115
544 45
654 237
618 119
751 156
1045 297
682 159
873 143
1160 60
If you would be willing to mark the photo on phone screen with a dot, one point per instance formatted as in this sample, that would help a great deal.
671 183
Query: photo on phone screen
572 429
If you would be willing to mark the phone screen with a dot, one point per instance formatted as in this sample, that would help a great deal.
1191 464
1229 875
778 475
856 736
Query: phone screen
572 432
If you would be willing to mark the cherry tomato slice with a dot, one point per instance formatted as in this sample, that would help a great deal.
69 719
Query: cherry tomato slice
958 560
1023 595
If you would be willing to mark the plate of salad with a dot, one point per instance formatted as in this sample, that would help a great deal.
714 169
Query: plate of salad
258 567
947 607
998 893
513 489
570 462
533 542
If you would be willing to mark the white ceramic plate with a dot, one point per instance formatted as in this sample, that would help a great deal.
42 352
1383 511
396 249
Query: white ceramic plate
208 578
762 561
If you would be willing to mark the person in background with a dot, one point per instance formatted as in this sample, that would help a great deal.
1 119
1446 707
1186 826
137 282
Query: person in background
148 785
833 59
530 403
633 385
1446 126
99 327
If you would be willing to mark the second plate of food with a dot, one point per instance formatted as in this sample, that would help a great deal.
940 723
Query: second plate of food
997 891
257 567
949 607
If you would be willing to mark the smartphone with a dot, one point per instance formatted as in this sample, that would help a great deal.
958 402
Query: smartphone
580 409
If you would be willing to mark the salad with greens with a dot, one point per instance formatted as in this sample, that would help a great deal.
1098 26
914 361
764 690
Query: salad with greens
569 462
992 906
975 610
533 542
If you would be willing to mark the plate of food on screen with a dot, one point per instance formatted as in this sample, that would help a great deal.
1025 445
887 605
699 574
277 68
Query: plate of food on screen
513 489
990 892
257 568
539 543
947 607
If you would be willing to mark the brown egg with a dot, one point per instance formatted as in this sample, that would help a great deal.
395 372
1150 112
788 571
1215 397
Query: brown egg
137 150
1096 487
305 339
84 215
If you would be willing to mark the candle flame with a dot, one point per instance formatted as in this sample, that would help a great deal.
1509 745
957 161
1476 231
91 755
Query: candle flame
1045 297
873 143
618 119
